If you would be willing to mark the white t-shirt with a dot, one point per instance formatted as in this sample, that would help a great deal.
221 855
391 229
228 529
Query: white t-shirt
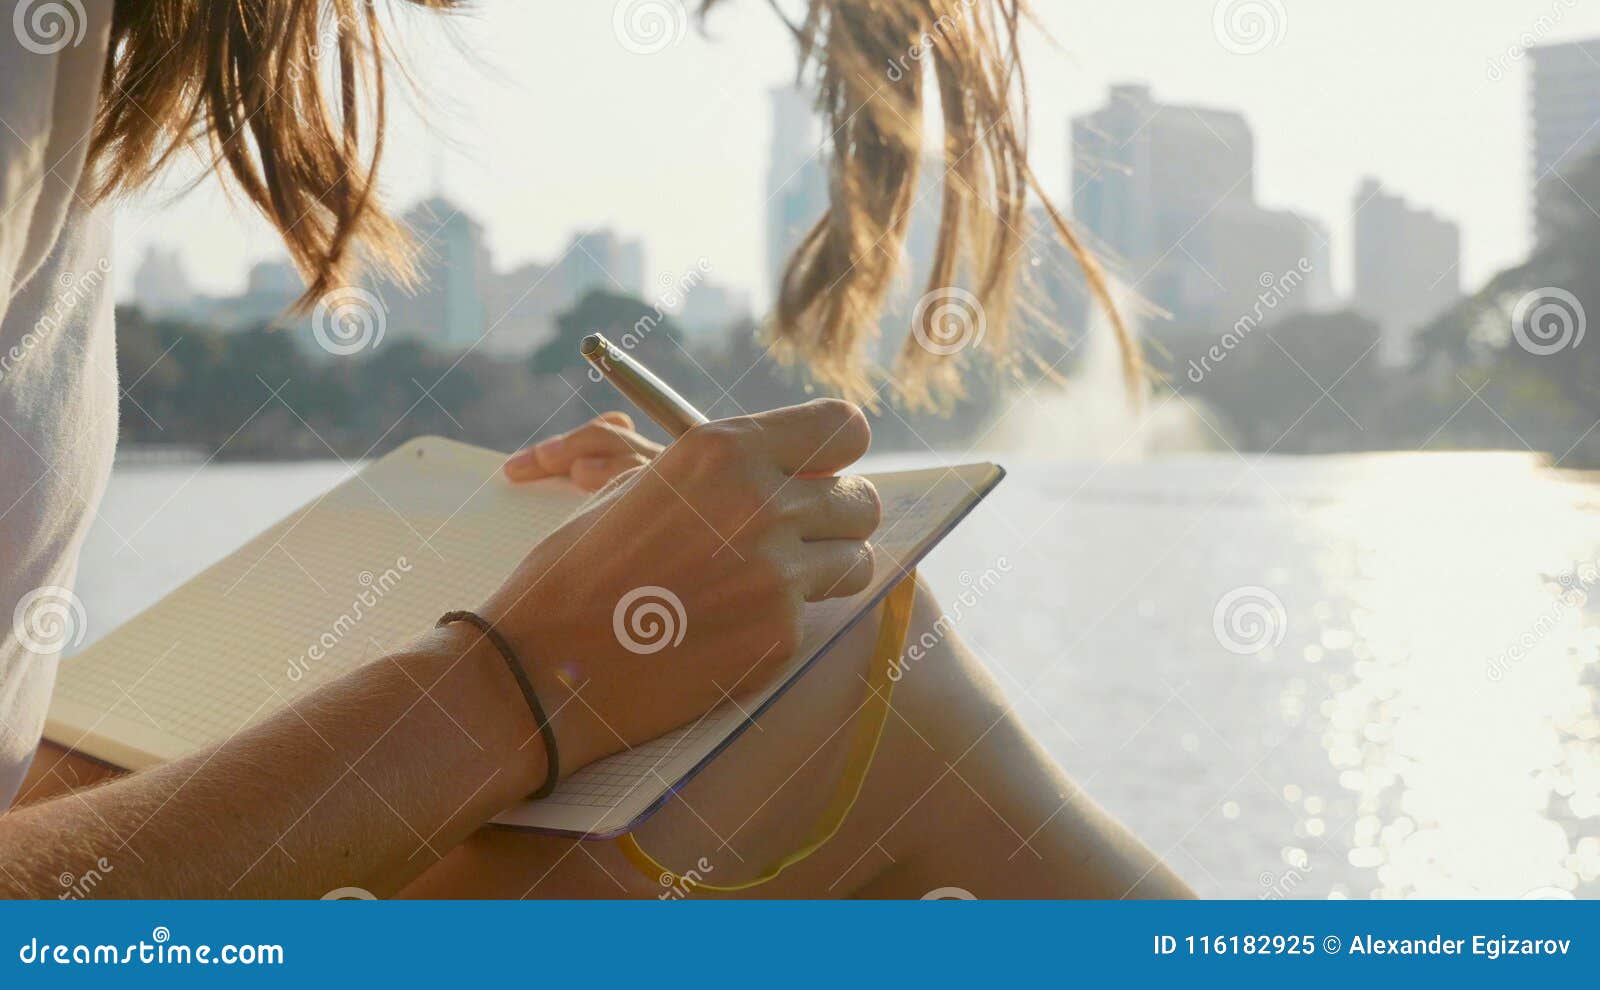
58 368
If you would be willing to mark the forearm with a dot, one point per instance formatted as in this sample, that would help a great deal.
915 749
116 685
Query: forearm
365 782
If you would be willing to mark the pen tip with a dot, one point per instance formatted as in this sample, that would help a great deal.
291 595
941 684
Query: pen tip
592 344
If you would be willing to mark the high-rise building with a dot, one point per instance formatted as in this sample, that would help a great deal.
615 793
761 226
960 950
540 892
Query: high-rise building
1407 267
797 177
1168 192
602 259
1242 248
270 291
160 285
1144 173
708 311
273 280
1565 98
523 303
161 290
458 300
447 308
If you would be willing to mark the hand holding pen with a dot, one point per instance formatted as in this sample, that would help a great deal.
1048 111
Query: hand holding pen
722 537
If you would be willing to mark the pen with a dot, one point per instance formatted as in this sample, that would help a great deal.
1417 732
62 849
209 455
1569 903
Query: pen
671 411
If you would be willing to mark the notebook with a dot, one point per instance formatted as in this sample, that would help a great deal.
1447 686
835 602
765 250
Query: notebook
372 563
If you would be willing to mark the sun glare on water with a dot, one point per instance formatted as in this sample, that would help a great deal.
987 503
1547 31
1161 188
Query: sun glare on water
1468 731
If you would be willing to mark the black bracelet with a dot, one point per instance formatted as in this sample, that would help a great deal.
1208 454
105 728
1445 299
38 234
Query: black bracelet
552 761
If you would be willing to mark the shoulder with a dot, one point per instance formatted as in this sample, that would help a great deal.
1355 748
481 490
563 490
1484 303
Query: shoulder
52 55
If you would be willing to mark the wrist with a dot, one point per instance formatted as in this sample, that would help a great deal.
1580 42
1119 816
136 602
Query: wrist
471 669
580 735
570 721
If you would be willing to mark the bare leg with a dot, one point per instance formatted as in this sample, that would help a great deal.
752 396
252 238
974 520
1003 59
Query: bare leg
959 796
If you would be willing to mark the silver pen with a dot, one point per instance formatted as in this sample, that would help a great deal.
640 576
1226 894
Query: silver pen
654 397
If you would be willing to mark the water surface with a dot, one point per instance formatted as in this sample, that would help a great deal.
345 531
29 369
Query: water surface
1350 677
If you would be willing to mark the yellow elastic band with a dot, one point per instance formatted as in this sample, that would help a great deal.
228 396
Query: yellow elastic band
869 730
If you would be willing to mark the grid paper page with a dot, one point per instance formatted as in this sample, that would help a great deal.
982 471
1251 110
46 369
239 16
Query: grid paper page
370 564
373 563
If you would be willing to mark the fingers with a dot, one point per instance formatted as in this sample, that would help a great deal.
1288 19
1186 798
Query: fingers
594 473
617 482
607 436
820 437
837 516
835 568
834 508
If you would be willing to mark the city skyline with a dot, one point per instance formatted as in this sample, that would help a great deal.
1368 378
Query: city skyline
1167 194
676 153
1164 192
461 300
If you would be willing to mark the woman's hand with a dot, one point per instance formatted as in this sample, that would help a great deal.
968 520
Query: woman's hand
683 584
591 455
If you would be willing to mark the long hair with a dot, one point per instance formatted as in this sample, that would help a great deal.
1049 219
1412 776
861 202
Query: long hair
287 99
874 60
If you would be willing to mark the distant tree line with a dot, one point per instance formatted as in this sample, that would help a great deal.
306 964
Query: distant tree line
261 394
1510 367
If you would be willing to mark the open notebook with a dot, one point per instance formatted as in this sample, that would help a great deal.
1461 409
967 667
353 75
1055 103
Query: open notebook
375 561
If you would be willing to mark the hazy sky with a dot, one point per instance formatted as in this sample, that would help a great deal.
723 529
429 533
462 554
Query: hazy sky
543 122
